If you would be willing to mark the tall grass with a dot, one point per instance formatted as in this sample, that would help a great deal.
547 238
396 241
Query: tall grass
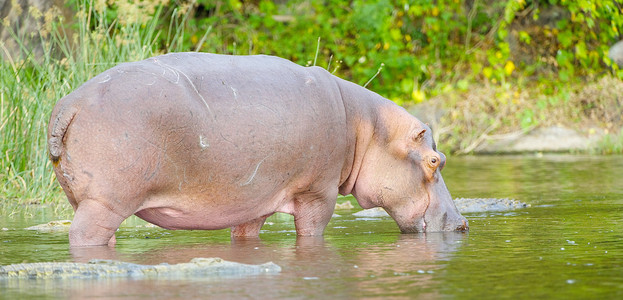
30 86
611 144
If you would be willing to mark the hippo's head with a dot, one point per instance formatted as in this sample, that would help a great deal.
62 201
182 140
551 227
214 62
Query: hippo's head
401 172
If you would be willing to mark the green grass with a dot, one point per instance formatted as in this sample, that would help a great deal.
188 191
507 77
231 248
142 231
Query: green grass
30 86
611 144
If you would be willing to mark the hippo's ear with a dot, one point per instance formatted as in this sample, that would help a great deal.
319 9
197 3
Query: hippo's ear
418 135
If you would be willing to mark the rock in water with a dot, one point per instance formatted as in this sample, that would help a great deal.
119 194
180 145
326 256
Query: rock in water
196 268
376 212
473 205
464 205
345 205
52 226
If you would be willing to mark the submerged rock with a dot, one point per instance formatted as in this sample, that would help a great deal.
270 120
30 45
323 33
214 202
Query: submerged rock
464 205
196 268
53 226
376 212
345 205
472 205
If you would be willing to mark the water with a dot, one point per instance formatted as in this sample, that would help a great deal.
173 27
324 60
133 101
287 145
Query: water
568 244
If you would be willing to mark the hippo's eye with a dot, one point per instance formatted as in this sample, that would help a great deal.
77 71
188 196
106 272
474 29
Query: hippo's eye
434 161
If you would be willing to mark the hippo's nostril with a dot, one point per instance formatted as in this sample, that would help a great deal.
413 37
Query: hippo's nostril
463 227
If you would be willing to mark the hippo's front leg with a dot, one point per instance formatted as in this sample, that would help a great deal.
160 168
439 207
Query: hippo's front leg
312 213
248 229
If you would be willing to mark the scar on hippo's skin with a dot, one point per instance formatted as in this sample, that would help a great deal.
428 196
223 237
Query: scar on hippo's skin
177 73
203 143
235 92
106 79
254 172
154 82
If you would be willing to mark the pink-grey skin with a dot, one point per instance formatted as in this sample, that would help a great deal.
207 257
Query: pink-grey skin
205 141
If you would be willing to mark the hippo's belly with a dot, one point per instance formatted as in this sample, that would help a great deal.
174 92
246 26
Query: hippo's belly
182 212
172 218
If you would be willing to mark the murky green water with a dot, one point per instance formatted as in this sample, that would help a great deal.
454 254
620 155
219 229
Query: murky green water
568 244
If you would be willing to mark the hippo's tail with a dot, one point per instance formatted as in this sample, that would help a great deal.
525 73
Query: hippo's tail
58 127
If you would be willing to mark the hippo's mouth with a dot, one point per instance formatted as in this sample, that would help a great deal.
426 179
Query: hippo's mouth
435 221
420 226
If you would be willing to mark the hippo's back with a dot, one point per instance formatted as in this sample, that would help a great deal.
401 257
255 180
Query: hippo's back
201 127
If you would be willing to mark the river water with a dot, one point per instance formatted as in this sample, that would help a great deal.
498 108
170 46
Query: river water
567 244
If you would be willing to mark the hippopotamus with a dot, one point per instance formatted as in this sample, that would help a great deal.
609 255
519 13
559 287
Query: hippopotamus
207 141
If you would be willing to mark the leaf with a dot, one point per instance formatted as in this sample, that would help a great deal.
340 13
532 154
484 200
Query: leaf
395 34
487 72
580 50
509 68
463 85
565 38
418 96
525 37
563 75
476 68
527 118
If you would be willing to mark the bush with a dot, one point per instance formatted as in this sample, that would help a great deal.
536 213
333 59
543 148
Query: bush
423 45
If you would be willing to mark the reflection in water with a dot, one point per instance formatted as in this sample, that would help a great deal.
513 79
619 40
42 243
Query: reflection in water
409 264
308 264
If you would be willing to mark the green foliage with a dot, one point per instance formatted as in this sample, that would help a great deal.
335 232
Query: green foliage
611 143
583 33
424 46
415 40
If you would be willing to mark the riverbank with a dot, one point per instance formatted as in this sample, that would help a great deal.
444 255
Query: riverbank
580 117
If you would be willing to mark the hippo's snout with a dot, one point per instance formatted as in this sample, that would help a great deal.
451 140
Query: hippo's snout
456 223
447 224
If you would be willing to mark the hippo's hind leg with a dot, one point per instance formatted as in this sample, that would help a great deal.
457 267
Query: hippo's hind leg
248 229
94 224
